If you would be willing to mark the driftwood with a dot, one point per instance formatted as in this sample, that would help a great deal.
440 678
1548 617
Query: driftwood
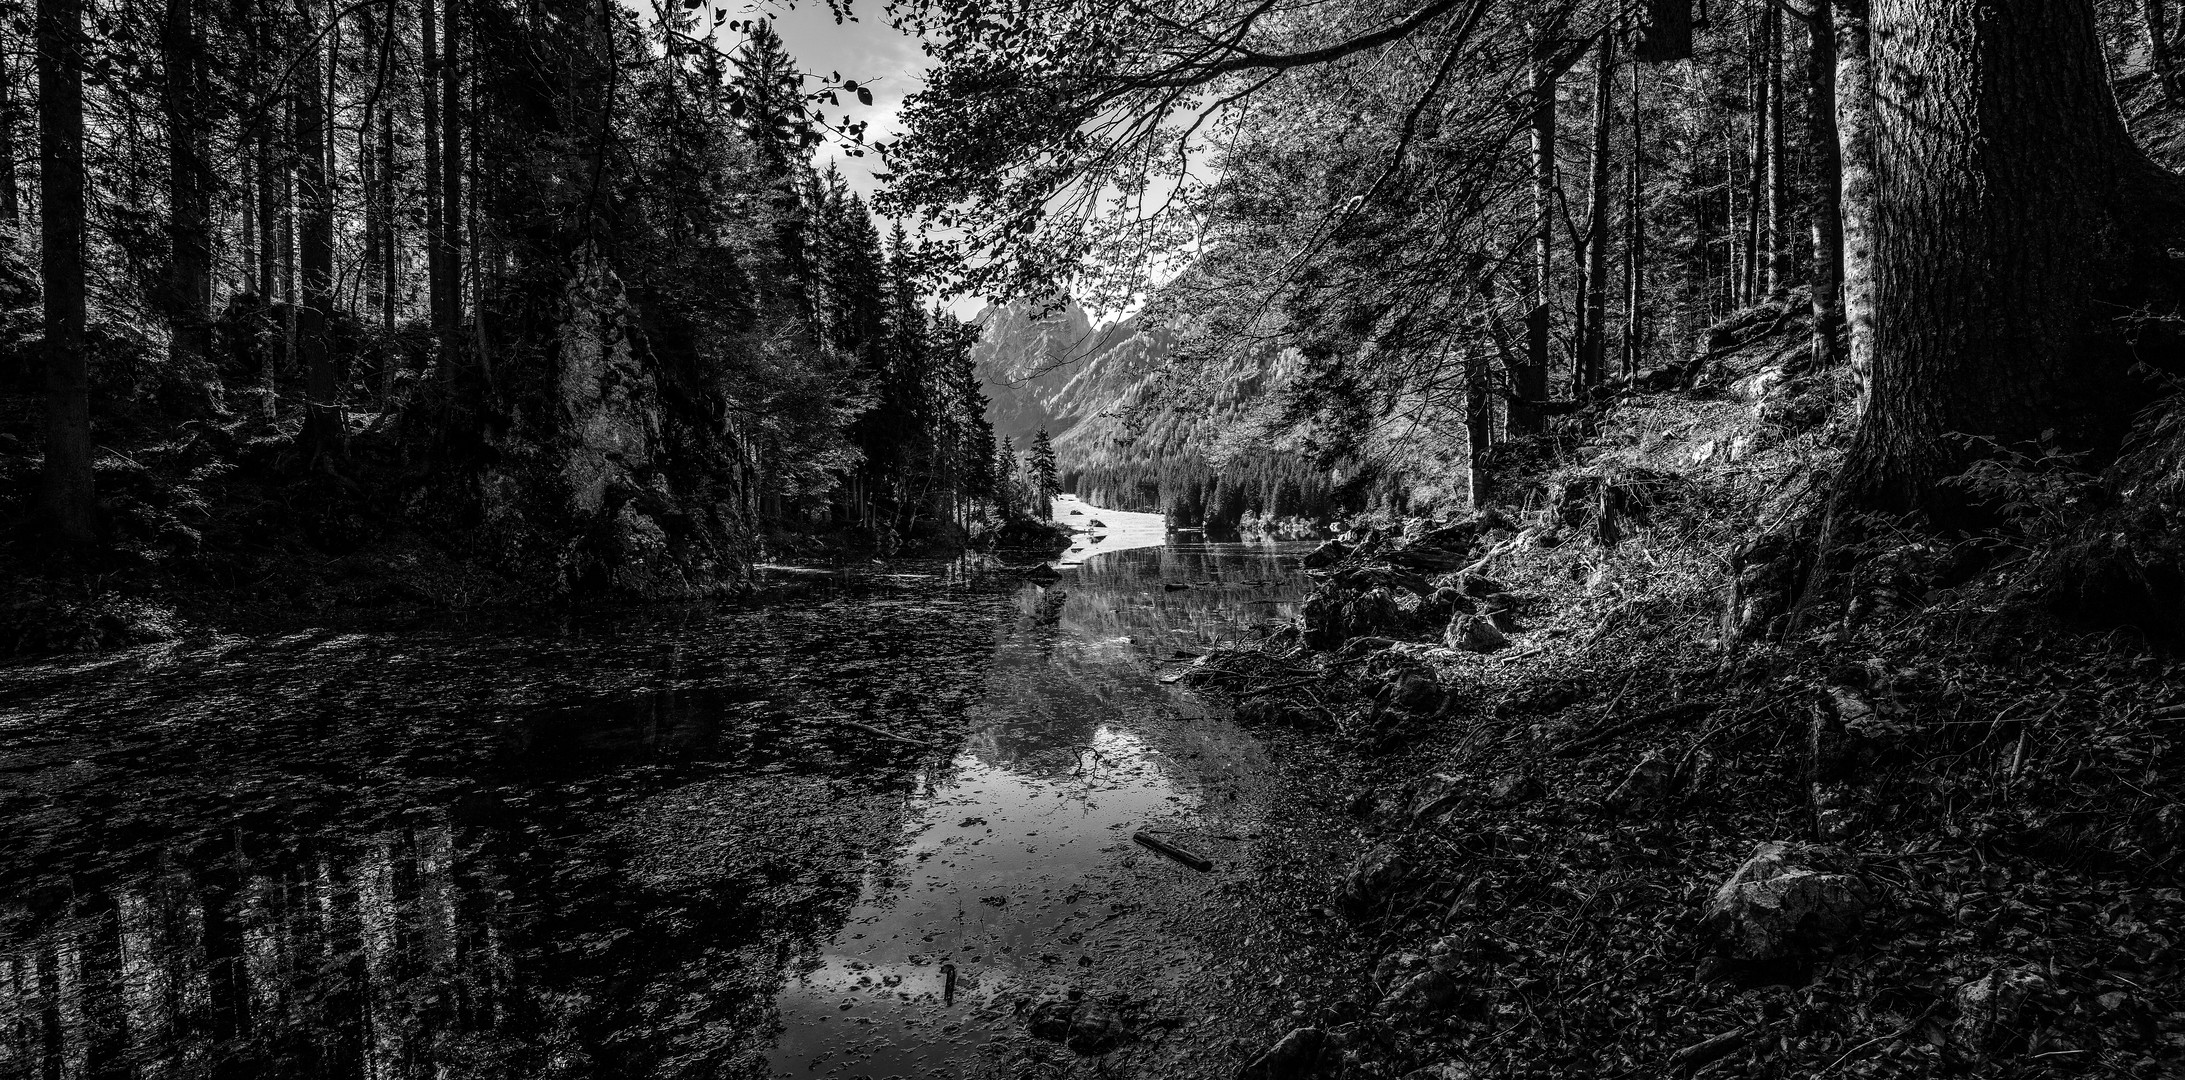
882 732
1197 862
1596 738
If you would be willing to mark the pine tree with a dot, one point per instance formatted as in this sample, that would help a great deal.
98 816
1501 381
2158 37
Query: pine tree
1045 477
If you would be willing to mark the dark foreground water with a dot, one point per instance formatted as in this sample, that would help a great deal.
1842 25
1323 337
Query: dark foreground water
658 845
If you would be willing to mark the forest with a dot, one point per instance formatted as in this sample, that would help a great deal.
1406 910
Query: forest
550 297
1473 539
1465 226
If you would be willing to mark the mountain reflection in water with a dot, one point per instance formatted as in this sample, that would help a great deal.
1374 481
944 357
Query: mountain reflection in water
640 846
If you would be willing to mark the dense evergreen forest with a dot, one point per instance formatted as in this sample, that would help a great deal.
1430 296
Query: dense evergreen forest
553 293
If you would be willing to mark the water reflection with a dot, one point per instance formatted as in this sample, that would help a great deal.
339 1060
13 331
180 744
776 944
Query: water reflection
638 847
1019 876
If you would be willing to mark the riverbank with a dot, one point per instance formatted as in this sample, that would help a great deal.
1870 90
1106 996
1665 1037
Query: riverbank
1627 803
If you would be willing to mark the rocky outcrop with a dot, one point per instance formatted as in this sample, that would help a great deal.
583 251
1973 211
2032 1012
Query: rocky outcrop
600 484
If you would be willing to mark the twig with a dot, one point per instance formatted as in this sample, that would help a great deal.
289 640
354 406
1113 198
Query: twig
1572 749
883 732
1272 687
1700 1053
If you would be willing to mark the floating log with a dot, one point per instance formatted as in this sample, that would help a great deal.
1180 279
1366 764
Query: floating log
1197 862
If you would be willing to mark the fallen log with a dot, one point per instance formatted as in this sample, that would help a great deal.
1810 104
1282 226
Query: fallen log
1197 862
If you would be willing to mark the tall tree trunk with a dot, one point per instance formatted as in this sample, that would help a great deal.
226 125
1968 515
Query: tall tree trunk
390 239
1855 120
369 164
11 196
1635 241
323 427
1733 228
2161 58
451 185
260 134
1778 246
435 228
1531 379
189 217
291 306
2013 220
67 486
1479 421
1593 334
1756 171
1827 166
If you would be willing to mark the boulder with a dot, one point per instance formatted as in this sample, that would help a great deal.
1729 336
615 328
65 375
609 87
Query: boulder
1084 1024
1295 1056
1514 788
1443 1070
1326 555
1321 621
1787 899
1479 585
1417 694
1376 876
1473 633
1447 603
1992 1010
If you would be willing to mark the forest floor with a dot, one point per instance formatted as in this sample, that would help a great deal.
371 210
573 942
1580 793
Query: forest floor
1565 764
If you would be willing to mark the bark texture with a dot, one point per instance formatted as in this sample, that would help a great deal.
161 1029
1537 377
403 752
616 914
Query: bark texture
1828 181
2015 228
1855 122
1531 378
67 486
323 427
1593 337
189 217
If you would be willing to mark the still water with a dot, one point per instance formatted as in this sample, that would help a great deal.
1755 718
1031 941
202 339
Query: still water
862 831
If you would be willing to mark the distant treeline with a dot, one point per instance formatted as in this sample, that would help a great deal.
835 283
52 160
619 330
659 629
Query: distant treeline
1195 493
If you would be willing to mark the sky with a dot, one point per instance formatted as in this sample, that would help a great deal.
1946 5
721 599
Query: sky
887 62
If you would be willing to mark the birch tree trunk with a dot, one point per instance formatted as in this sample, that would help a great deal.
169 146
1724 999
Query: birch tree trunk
1855 122
1593 333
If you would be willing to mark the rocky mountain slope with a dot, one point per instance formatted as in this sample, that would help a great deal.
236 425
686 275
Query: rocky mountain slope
1055 369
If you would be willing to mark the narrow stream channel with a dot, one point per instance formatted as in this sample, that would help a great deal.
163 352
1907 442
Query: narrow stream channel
668 844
